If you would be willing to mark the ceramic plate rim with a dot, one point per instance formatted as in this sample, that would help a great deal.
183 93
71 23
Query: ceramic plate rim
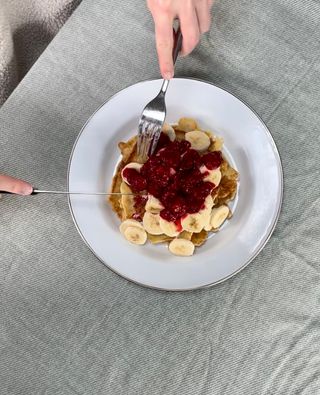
260 248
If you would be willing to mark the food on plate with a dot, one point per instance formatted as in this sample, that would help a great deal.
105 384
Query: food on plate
180 194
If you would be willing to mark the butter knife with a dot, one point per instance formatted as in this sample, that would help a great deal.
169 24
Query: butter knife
36 191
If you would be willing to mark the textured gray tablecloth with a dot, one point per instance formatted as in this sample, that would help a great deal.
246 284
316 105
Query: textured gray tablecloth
70 326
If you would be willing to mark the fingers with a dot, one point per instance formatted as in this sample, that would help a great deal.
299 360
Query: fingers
189 27
13 185
163 15
164 42
204 16
195 19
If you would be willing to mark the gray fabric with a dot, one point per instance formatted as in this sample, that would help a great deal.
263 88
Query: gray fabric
70 326
26 28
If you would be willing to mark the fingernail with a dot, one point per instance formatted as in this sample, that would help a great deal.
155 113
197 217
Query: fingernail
27 190
168 75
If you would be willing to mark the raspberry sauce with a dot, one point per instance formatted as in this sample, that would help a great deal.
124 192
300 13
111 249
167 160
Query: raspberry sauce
172 174
136 181
212 160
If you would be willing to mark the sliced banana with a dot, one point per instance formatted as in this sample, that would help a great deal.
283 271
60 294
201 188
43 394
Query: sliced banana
127 201
198 140
129 223
135 235
181 247
206 212
209 202
132 165
193 223
187 124
169 131
218 216
153 205
203 169
214 176
151 223
168 228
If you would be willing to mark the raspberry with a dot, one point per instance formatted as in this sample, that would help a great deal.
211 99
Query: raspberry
167 215
162 142
181 146
190 160
194 204
212 160
204 189
161 176
170 158
155 190
136 181
178 206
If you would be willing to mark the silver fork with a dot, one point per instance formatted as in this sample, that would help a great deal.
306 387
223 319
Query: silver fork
154 114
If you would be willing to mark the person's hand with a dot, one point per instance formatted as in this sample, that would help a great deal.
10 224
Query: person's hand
13 185
195 19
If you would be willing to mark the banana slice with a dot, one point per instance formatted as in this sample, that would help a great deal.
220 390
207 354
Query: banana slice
129 223
206 212
193 223
168 228
181 247
127 201
187 124
153 205
169 131
198 140
135 235
214 176
218 216
132 165
209 202
151 223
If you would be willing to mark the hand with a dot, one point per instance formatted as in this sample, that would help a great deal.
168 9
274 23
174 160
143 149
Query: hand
13 185
195 19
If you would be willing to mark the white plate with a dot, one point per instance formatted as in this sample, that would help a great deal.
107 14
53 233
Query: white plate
249 147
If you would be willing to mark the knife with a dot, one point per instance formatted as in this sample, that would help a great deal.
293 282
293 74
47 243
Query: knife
36 191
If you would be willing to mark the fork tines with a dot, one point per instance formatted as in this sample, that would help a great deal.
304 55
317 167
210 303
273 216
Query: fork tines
147 138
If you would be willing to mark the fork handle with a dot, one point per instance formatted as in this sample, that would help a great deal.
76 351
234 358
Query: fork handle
177 45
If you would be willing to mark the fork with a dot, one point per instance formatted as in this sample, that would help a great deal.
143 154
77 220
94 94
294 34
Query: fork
154 114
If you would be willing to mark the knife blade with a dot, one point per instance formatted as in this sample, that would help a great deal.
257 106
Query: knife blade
36 191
